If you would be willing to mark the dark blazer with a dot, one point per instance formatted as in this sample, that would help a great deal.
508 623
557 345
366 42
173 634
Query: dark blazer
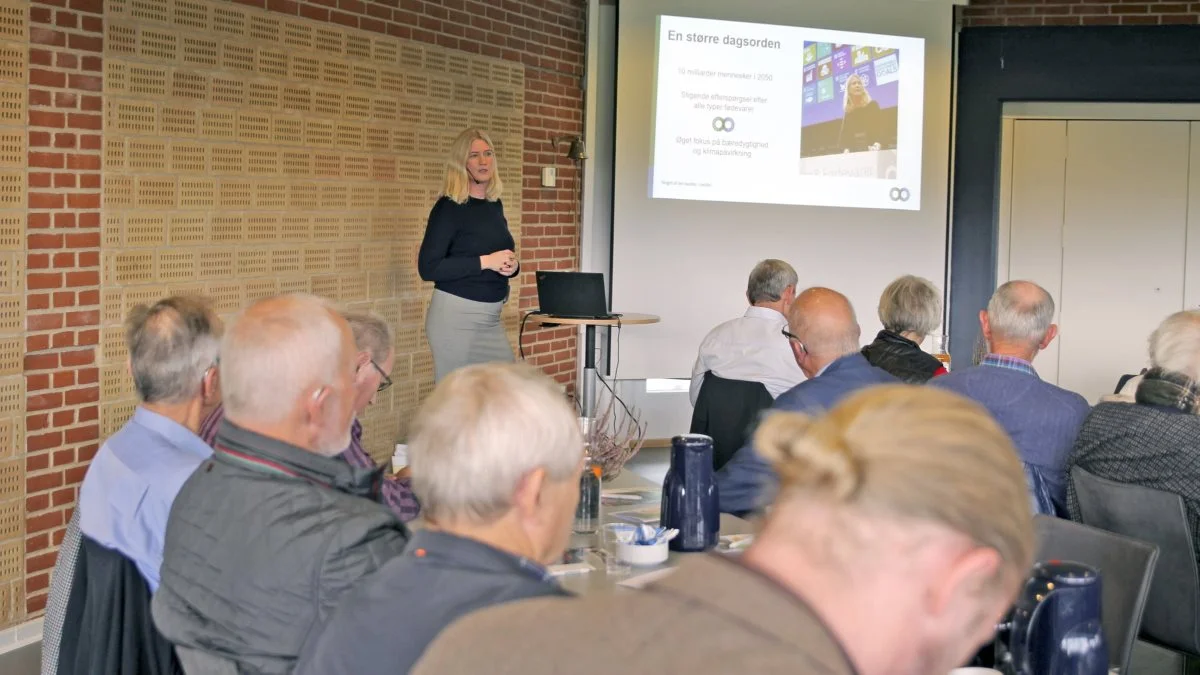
107 629
1042 419
1140 444
726 410
744 484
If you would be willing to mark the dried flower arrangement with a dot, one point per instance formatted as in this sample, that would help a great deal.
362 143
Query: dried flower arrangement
615 436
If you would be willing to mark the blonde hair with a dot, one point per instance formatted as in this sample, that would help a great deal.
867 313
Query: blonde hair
848 103
481 431
457 185
911 452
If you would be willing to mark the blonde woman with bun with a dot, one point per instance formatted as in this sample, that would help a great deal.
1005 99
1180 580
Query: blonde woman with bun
468 254
899 536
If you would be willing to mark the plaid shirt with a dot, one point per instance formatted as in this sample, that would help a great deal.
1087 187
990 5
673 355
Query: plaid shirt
1009 363
396 493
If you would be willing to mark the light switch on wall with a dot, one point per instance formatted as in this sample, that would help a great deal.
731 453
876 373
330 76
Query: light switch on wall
549 175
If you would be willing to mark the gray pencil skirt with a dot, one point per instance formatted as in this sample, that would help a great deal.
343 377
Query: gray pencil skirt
462 332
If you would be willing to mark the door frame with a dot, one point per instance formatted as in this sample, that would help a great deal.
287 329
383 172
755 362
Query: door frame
1150 64
1066 111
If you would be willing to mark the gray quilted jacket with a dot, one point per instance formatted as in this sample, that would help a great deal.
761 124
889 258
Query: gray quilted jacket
261 542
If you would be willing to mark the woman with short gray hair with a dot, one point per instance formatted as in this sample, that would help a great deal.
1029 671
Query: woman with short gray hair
909 309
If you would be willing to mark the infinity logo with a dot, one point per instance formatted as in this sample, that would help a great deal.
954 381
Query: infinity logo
722 124
899 194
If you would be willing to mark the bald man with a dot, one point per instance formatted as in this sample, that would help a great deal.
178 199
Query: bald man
824 336
266 536
1042 419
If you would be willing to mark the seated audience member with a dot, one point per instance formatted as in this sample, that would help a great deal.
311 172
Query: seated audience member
899 537
375 359
127 493
748 348
496 456
1042 419
823 334
909 309
1154 442
267 535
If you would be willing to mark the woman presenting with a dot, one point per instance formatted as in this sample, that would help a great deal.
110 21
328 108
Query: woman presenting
468 254
863 124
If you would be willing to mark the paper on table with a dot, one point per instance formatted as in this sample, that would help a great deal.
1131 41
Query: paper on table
569 568
642 580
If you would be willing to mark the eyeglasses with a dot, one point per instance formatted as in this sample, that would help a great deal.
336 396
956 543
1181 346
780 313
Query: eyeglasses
794 338
386 381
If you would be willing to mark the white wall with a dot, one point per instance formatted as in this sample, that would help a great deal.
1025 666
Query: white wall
687 261
670 413
1096 210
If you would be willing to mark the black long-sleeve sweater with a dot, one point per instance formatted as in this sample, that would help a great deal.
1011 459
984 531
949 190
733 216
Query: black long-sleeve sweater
457 234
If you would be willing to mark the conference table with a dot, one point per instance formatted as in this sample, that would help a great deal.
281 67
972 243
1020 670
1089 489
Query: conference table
597 579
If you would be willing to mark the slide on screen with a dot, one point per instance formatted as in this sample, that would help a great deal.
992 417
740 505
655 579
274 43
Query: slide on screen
765 114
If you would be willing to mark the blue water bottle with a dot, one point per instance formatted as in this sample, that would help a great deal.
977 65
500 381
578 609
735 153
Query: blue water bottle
689 498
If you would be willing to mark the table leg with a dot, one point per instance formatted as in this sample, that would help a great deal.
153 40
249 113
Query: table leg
589 372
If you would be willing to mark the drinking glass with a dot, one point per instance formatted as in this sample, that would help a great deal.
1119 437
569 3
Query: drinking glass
608 542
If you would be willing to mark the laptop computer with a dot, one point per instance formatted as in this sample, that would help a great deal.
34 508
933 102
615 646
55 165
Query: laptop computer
574 295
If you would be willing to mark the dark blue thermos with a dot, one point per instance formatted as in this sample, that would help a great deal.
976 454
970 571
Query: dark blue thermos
1056 622
689 497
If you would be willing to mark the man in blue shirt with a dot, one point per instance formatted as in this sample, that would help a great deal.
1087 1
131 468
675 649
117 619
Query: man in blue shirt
824 336
127 493
1042 419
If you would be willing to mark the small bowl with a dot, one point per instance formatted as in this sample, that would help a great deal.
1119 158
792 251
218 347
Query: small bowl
642 556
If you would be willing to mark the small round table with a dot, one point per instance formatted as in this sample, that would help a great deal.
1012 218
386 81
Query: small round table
588 398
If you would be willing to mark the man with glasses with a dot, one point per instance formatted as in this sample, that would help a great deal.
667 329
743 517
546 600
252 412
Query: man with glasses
824 336
375 359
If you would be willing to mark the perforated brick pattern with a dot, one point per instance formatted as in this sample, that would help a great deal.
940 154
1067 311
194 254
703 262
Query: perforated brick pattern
248 153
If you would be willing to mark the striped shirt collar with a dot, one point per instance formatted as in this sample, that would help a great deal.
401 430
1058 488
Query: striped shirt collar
1009 363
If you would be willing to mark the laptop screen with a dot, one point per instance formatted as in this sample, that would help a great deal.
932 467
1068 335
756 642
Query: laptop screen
572 294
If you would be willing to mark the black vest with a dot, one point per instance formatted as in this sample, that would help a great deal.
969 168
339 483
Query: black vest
901 357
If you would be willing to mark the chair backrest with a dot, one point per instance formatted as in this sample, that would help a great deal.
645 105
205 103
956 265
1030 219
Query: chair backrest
1161 518
726 410
107 629
1126 567
61 580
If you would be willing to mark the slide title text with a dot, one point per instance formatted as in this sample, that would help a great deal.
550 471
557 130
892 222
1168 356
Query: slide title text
732 40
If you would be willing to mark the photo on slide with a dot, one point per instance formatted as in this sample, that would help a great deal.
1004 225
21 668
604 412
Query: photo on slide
849 111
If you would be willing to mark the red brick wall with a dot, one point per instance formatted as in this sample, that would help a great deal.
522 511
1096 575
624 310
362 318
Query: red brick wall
548 37
1079 13
65 127
63 272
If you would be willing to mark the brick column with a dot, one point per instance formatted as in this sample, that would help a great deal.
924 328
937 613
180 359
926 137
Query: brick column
63 272
1115 13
